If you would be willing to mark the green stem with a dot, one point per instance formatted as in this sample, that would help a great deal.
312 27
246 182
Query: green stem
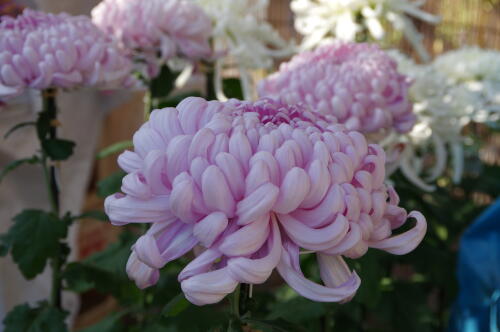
148 104
235 303
50 107
209 83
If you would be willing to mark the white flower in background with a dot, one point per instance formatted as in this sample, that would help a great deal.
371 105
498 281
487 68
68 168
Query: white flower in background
447 95
478 71
322 20
242 35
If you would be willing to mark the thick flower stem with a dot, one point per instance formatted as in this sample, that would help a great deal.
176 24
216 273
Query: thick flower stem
209 83
50 108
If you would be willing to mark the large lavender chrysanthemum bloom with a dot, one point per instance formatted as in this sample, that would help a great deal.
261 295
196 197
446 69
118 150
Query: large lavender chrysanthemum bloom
156 30
40 51
357 83
252 183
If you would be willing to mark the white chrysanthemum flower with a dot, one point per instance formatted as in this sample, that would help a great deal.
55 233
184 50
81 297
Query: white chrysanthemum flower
444 103
478 71
241 33
322 20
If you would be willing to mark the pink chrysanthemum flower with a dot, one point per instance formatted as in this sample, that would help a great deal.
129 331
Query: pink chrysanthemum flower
156 30
40 51
357 83
253 183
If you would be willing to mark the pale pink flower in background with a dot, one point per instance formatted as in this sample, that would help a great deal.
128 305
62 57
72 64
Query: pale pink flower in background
253 183
40 51
356 83
155 31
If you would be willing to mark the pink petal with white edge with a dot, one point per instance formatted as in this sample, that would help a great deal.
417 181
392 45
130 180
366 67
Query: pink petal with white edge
240 148
325 212
133 184
290 271
200 264
130 161
166 123
216 192
209 228
247 239
123 209
177 159
258 270
312 238
293 190
257 204
320 182
145 140
181 199
154 172
352 237
143 275
209 287
233 172
334 272
404 243
258 176
190 110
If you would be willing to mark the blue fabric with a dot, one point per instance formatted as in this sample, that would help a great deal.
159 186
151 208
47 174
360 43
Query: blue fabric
478 305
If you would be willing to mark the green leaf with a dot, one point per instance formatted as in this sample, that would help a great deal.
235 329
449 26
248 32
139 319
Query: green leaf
173 101
110 184
42 318
109 324
276 325
105 271
232 88
175 306
297 310
18 126
58 149
114 148
16 163
35 238
97 215
163 84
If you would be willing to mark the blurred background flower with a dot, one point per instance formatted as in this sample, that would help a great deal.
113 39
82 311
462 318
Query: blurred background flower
156 31
320 21
41 51
241 34
358 84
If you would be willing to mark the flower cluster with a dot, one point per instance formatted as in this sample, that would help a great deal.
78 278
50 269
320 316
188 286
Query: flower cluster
155 31
251 184
319 20
39 51
458 87
244 37
356 83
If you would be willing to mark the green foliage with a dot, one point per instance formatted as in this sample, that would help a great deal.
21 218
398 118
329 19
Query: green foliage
110 184
18 126
42 318
163 84
175 306
58 149
33 239
97 215
105 272
173 101
111 323
16 163
232 88
114 148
